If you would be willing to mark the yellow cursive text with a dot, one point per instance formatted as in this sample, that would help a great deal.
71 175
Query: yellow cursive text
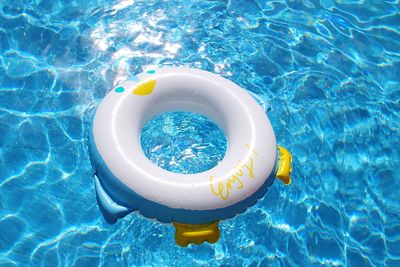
235 177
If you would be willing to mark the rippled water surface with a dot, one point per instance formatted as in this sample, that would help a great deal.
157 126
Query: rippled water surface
329 69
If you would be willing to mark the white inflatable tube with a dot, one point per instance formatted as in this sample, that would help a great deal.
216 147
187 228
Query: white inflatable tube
250 158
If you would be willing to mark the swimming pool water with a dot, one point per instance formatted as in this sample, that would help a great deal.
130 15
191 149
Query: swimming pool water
183 142
329 69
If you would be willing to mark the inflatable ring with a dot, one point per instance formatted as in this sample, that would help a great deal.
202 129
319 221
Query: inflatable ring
126 180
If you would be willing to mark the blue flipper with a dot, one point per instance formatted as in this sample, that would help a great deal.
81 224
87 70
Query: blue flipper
111 210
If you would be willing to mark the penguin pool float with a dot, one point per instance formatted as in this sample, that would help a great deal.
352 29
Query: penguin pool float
126 180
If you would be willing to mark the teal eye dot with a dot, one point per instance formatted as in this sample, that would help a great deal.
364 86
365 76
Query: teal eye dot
151 71
119 89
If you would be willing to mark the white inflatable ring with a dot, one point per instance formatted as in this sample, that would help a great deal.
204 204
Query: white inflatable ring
250 157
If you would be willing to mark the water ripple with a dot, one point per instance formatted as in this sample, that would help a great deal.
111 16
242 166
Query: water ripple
329 70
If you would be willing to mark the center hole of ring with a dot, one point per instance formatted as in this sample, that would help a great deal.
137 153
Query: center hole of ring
183 142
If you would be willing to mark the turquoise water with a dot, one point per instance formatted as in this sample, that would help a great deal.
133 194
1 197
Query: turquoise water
329 69
183 142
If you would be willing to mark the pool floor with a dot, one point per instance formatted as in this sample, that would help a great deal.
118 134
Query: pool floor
329 69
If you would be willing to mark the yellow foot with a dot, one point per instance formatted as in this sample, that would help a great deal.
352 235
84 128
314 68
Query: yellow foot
186 234
285 165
